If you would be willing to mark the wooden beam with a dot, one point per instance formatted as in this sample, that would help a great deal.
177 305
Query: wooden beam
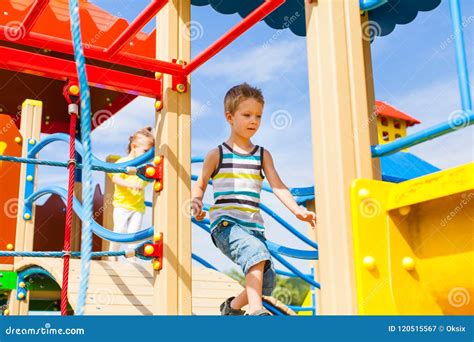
172 285
30 128
343 128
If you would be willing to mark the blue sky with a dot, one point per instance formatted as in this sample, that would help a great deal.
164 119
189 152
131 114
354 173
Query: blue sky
414 69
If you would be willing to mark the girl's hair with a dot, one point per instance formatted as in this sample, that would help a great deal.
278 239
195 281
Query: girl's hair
145 132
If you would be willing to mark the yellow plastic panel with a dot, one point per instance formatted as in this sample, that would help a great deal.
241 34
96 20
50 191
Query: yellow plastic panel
413 244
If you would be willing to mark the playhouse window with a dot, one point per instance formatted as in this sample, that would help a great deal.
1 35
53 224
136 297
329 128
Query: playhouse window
385 135
396 124
384 121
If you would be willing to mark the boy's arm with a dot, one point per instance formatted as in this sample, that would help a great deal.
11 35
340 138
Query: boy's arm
209 166
281 191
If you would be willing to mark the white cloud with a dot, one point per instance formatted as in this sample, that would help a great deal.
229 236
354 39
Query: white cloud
262 62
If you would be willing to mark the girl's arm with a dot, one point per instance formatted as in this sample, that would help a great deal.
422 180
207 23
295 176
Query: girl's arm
122 182
281 191
210 164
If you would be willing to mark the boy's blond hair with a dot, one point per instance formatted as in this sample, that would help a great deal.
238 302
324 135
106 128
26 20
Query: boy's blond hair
239 93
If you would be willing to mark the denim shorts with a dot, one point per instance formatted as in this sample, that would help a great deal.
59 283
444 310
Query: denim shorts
246 248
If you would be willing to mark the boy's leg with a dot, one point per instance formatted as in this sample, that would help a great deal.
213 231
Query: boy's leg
253 286
240 301
269 279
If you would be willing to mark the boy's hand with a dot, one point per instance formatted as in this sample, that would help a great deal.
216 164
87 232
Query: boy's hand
198 213
307 216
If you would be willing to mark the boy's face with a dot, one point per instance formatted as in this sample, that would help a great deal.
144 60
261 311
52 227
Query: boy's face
246 119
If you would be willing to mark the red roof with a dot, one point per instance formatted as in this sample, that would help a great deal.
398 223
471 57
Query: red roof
385 109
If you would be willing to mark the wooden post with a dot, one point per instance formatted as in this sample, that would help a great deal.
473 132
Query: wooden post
343 129
31 111
173 139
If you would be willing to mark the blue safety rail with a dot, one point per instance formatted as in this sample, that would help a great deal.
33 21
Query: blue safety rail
457 120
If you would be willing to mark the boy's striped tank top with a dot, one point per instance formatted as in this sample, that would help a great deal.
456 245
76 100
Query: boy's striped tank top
237 183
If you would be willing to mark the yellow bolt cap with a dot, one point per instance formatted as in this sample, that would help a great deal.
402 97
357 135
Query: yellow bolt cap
18 140
149 250
32 141
22 284
156 265
10 247
6 312
225 223
157 160
158 104
363 193
27 216
180 88
21 295
29 178
369 262
408 263
74 89
158 75
157 186
150 171
157 237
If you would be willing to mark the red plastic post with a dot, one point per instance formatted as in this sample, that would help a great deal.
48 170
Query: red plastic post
258 14
143 18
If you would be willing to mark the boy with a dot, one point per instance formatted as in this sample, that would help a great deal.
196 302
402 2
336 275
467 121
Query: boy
237 168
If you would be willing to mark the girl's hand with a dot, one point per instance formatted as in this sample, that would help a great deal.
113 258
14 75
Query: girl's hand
136 187
198 213
307 216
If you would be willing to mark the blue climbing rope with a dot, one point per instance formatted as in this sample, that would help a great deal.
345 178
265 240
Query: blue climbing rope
88 190
53 254
65 164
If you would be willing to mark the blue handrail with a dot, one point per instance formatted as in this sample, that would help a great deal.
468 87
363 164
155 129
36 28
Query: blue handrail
203 262
80 150
461 63
97 229
288 226
367 5
466 119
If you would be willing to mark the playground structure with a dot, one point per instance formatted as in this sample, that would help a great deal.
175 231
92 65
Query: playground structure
409 270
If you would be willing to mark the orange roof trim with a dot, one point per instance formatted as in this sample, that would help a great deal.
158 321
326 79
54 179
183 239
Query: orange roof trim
383 108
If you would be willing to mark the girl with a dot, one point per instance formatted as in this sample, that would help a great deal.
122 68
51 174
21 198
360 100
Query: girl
129 194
